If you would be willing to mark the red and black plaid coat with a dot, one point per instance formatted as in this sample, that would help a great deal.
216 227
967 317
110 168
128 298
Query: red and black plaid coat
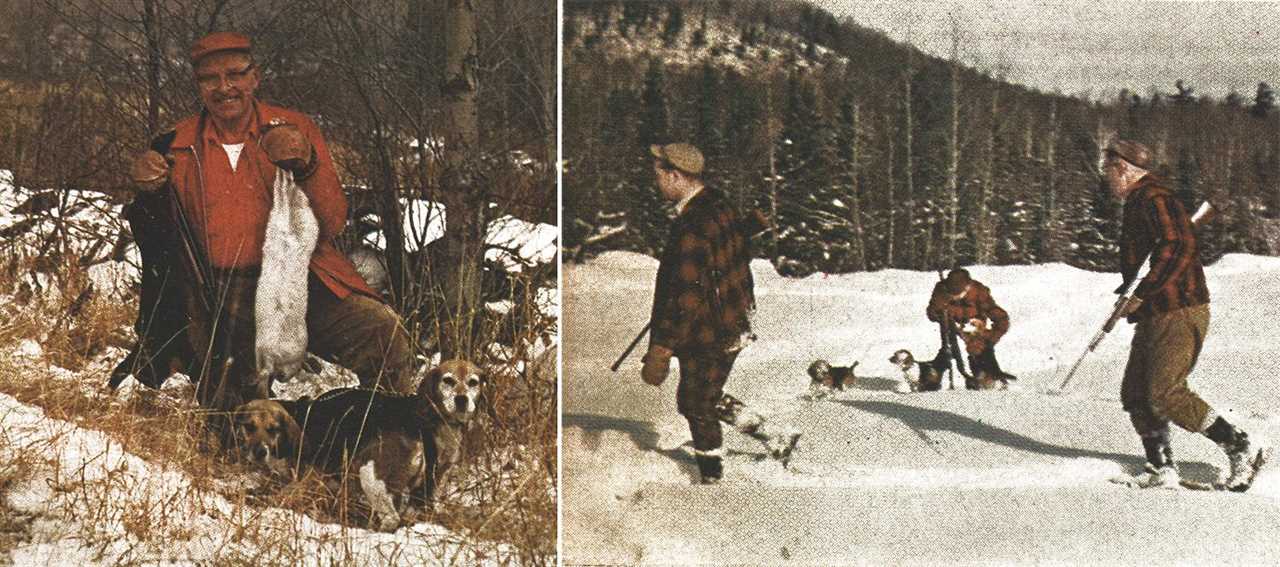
704 293
974 304
1156 223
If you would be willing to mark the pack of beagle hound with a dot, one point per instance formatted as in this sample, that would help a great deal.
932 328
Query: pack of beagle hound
398 446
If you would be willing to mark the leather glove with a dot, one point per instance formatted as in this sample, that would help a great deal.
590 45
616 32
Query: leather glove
289 149
149 171
1131 307
657 364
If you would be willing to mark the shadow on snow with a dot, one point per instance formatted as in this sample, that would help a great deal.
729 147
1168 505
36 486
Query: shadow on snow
922 420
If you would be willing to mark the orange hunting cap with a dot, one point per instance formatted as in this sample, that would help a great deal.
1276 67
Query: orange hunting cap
218 41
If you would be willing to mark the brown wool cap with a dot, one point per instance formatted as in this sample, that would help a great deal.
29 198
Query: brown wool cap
956 280
685 157
1132 152
218 41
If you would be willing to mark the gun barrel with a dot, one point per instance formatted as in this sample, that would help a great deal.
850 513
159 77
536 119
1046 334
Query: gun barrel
631 347
1097 340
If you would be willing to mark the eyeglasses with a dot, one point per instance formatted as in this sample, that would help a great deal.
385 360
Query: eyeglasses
214 80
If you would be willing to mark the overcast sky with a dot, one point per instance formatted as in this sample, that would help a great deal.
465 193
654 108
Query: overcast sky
1093 48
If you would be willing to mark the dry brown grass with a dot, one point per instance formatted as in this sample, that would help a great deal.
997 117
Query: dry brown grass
14 525
503 494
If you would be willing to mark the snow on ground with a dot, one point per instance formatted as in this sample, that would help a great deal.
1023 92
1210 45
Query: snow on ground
87 216
515 242
75 481
882 477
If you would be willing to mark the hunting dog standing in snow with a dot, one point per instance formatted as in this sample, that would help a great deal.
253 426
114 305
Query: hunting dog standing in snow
825 379
985 376
920 376
398 446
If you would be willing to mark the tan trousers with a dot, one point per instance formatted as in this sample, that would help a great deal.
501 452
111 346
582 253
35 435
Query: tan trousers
1164 351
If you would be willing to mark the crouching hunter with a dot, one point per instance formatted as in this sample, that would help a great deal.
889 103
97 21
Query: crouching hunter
966 304
702 301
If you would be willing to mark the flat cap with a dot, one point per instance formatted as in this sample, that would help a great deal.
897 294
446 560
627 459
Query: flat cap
685 157
218 41
1132 152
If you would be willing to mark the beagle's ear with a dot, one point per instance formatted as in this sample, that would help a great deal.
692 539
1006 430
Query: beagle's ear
292 441
429 381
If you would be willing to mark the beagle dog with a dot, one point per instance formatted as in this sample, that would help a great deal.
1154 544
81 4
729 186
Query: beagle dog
920 376
267 434
399 446
826 379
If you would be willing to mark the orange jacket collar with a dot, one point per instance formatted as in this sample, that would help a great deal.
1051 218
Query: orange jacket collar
191 129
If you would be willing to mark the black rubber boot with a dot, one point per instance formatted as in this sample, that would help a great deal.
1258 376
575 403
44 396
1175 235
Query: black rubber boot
710 467
1158 448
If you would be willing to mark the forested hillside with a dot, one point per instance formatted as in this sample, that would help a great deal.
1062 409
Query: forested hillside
869 154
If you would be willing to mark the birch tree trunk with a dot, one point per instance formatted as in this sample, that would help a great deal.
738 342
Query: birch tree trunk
1050 250
463 195
892 209
909 171
155 53
772 130
984 233
953 151
855 197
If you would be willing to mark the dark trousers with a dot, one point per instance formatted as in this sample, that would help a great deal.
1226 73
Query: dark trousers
358 333
702 380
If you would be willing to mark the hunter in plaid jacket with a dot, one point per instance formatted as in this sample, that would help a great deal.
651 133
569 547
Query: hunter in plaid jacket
1156 223
704 293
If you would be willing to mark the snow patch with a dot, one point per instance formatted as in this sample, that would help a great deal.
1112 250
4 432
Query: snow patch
80 482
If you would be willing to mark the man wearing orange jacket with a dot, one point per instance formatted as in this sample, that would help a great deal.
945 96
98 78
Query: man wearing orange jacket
219 168
974 316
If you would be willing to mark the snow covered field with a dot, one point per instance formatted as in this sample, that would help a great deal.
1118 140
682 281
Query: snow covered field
882 477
